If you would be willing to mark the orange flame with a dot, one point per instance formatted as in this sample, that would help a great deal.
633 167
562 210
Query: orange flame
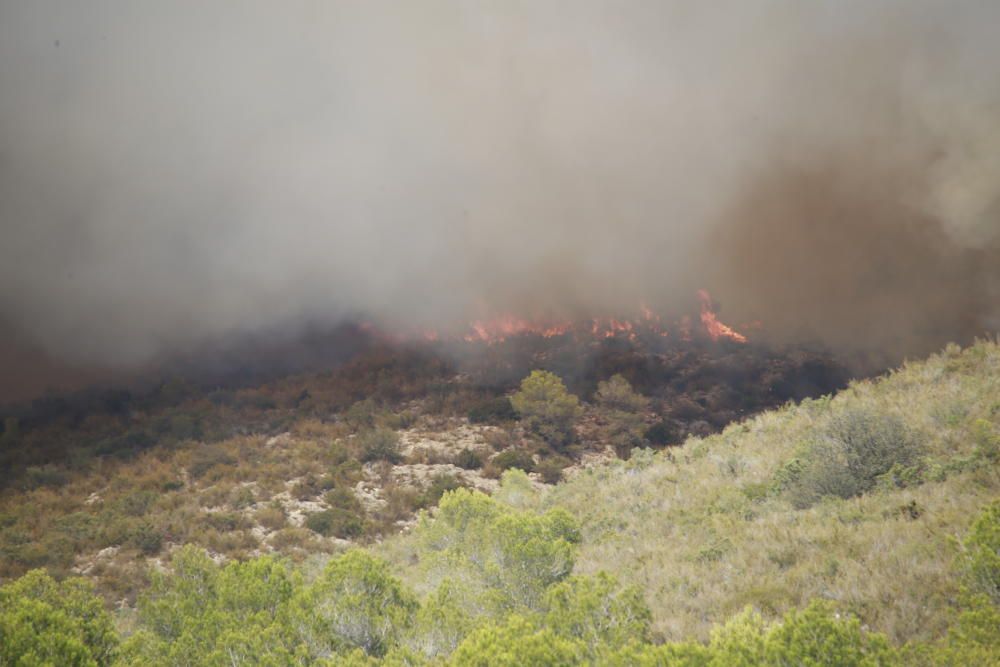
647 323
713 326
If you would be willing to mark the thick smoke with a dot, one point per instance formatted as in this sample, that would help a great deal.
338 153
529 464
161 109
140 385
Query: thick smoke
182 172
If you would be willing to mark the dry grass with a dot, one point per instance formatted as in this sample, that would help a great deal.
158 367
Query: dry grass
702 530
699 532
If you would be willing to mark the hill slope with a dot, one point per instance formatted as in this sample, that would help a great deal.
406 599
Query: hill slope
706 529
862 529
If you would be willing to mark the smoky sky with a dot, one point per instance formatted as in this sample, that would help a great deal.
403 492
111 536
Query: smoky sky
178 172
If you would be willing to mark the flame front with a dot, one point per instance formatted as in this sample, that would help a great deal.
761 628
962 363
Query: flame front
713 327
647 323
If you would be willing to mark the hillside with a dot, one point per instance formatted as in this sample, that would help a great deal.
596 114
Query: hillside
862 528
108 483
705 529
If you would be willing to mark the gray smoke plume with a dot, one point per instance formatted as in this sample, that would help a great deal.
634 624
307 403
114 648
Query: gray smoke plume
173 173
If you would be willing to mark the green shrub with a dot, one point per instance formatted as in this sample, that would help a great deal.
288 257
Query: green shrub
336 522
361 415
48 475
241 497
379 444
982 549
492 411
514 458
852 453
551 468
343 498
512 556
44 622
439 485
468 459
137 503
354 604
598 612
147 539
206 457
516 643
617 394
546 408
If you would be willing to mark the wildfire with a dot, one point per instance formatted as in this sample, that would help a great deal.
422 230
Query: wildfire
499 329
645 324
713 327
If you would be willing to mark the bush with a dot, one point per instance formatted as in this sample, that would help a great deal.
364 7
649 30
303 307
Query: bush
355 603
207 457
597 611
856 449
44 622
440 485
379 444
514 458
272 517
546 408
515 555
343 498
469 459
492 411
617 394
336 522
147 539
551 468
515 643
982 548
664 433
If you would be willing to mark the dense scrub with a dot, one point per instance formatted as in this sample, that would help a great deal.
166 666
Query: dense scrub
498 592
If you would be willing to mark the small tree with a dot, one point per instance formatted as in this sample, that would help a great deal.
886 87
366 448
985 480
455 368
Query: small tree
355 603
621 409
45 622
617 394
546 408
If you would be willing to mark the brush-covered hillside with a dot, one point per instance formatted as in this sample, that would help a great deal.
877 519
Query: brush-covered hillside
858 529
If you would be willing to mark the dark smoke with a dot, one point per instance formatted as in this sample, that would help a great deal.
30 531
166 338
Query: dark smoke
176 175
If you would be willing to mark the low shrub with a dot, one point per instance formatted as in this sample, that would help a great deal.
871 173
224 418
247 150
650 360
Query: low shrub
851 455
514 458
272 517
468 459
492 411
551 468
440 485
664 433
343 498
982 548
207 457
379 444
336 522
147 539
